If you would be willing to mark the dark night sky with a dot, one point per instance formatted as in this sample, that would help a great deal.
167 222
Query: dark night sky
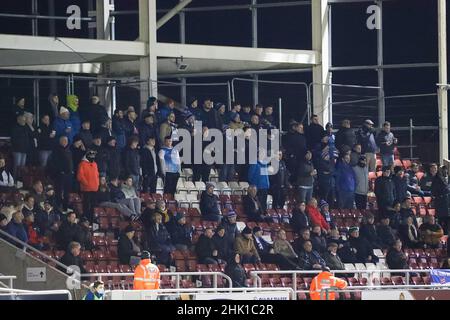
410 36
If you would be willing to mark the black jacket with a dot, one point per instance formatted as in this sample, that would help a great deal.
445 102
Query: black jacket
116 193
304 174
313 134
208 204
125 249
396 259
250 208
295 146
299 220
131 162
145 132
44 140
180 234
68 259
21 139
101 158
77 155
280 179
319 243
86 136
148 163
401 187
114 162
384 190
130 128
224 250
237 274
369 232
157 237
204 248
345 137
67 233
61 161
363 249
386 235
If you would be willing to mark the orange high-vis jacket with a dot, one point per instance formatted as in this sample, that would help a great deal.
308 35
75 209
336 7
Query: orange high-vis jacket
323 281
146 276
88 176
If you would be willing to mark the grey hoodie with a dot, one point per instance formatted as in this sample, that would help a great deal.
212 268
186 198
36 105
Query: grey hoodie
361 179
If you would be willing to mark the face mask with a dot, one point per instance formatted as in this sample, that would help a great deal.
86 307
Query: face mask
91 159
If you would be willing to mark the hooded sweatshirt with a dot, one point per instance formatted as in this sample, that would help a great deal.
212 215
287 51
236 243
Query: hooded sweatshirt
88 176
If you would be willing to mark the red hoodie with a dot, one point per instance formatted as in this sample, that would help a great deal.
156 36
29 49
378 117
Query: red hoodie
33 237
316 217
88 176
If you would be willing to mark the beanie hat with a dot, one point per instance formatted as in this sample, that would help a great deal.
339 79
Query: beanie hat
231 214
63 110
128 228
246 230
353 229
72 102
323 204
150 101
179 216
256 229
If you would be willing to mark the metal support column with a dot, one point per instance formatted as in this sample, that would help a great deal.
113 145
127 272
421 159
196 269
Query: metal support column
103 9
36 99
183 41
148 65
442 90
52 33
321 72
255 90
380 70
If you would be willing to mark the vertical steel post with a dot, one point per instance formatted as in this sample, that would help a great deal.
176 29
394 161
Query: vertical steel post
380 70
442 90
411 127
183 87
255 88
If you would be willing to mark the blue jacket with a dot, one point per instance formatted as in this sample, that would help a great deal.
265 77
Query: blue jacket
163 113
60 127
17 230
76 122
258 175
345 177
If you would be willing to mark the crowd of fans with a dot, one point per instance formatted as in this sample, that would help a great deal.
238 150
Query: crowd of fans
111 161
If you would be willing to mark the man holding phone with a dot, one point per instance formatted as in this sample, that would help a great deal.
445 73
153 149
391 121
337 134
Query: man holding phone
386 141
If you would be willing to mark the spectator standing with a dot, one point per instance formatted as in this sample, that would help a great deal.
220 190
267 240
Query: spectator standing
361 183
118 128
61 169
88 177
345 136
113 158
72 106
63 126
314 132
52 109
132 161
305 178
150 165
355 155
345 183
20 143
258 175
86 134
170 166
279 182
440 190
386 141
295 148
385 190
147 129
365 136
46 140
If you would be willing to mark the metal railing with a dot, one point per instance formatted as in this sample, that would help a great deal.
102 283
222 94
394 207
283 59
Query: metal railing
177 276
176 292
6 291
372 274
10 280
25 246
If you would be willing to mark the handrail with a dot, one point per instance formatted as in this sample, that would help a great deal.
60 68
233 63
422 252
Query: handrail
224 290
26 247
178 276
257 279
10 280
20 291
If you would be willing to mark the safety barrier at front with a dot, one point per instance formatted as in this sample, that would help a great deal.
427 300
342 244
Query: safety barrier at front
177 276
203 294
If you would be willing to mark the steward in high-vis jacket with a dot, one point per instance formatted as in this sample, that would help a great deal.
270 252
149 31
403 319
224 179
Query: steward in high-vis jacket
323 281
146 274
